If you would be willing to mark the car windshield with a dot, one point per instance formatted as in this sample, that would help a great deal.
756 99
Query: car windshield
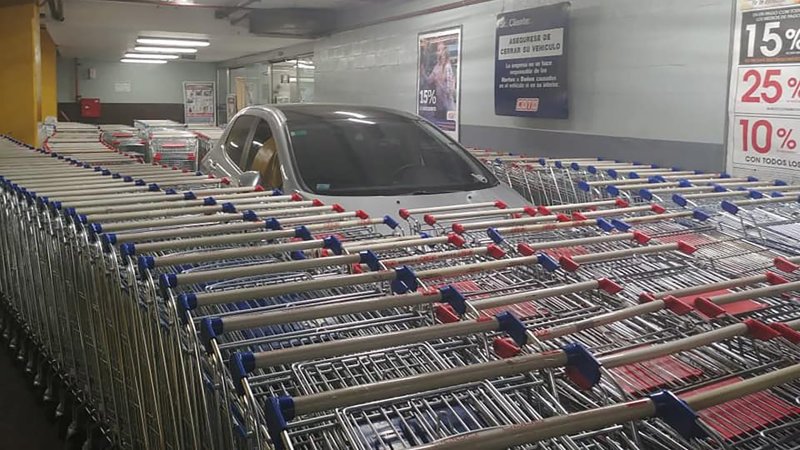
392 155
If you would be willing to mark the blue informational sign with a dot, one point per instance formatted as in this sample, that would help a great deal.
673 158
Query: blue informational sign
531 63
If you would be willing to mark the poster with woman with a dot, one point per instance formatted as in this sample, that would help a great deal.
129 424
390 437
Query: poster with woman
439 78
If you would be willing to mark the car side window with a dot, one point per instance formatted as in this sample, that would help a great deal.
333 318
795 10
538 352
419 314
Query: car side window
237 138
263 157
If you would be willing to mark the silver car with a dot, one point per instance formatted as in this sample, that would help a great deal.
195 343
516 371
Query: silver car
374 159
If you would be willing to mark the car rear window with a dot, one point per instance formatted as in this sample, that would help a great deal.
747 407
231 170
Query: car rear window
386 156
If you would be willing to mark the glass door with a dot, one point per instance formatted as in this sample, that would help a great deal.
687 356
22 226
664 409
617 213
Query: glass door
284 82
293 80
305 78
250 85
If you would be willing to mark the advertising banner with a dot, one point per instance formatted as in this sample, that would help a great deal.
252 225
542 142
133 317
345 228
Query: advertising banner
531 63
199 102
439 79
764 104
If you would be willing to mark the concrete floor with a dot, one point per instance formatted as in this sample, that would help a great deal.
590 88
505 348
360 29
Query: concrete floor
23 424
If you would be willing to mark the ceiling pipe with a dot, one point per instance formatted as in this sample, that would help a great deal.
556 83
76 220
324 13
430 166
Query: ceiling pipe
412 14
184 5
223 13
395 18
77 66
422 12
56 9
236 20
247 59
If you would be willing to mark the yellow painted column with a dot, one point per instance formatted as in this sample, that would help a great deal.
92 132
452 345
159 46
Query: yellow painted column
20 70
49 96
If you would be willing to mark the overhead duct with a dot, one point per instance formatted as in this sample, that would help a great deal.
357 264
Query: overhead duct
293 22
56 9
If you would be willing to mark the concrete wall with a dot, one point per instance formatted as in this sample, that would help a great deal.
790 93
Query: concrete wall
65 80
156 90
150 83
648 78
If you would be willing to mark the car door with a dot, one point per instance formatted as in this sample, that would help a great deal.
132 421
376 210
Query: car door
228 162
262 156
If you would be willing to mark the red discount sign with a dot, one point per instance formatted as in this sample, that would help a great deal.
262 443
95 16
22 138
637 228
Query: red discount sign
766 142
762 90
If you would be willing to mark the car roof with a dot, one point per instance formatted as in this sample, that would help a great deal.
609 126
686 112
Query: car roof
320 111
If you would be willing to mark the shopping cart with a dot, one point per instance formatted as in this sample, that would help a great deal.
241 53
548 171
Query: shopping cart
123 138
767 219
770 394
208 137
164 309
174 148
581 370
90 334
335 349
543 181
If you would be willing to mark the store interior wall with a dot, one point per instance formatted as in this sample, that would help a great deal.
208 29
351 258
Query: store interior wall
647 78
156 90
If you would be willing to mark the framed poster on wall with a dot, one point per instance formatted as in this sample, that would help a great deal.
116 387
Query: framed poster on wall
199 102
531 63
764 93
439 78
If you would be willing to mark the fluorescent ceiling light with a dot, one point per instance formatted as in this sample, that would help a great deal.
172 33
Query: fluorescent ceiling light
150 56
164 49
144 61
173 42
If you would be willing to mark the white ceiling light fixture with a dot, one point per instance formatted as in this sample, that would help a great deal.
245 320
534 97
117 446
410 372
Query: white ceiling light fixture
143 61
172 42
151 56
165 50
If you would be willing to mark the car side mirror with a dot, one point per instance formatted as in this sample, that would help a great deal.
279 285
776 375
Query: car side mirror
249 179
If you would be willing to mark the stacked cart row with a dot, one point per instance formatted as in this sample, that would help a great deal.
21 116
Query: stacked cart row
162 142
158 308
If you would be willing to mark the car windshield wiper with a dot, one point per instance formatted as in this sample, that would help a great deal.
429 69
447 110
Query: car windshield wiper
479 178
424 192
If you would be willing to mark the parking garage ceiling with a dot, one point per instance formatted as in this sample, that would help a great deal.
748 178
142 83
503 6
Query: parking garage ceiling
105 29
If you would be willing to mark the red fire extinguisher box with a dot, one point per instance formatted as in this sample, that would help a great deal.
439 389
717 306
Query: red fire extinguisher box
90 107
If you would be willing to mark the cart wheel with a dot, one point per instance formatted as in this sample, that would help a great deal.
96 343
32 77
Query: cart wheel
95 439
30 362
50 395
76 430
65 413
62 414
